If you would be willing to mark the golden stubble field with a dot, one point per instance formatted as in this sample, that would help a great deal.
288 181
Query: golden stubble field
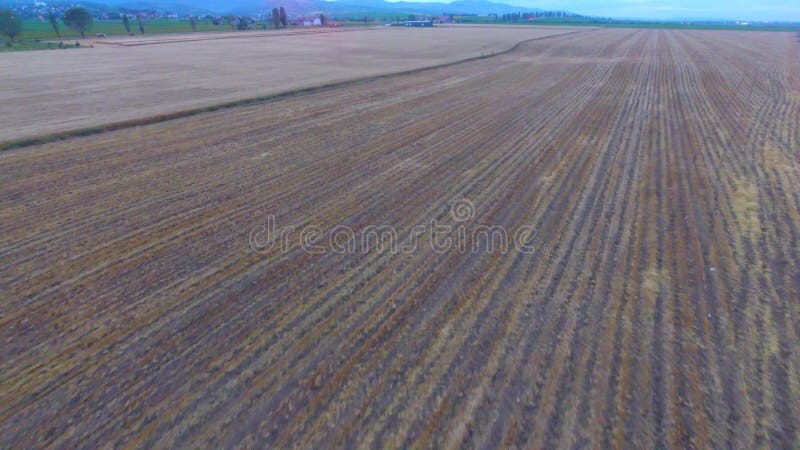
659 308
56 91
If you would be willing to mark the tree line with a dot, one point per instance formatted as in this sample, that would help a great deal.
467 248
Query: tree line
77 19
81 21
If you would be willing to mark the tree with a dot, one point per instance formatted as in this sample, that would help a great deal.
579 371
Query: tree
231 20
79 20
193 23
276 18
140 22
10 24
284 20
54 23
126 22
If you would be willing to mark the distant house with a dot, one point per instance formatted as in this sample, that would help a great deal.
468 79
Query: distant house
417 23
308 21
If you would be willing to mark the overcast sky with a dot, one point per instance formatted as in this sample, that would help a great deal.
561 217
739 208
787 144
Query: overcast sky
772 10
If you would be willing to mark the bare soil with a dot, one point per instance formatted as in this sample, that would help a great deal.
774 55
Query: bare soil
659 308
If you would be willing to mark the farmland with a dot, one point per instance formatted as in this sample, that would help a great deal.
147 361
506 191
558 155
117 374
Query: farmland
660 307
34 29
117 81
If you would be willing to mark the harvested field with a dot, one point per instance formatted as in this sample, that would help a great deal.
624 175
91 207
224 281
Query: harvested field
661 306
170 38
116 83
